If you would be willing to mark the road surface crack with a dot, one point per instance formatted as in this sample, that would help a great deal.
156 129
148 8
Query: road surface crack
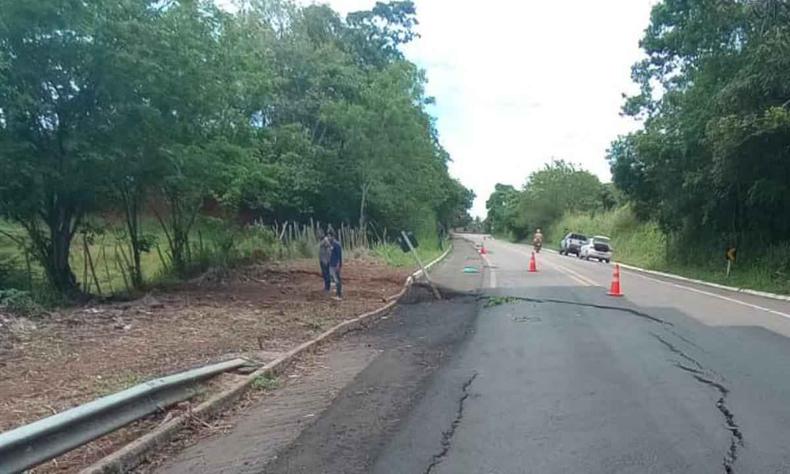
577 303
699 374
688 369
677 351
447 435
736 439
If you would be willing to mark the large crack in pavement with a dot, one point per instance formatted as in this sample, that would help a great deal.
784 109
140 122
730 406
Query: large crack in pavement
585 305
677 351
736 438
447 435
699 374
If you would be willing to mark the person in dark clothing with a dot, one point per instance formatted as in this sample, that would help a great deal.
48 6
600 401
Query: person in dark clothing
324 254
335 264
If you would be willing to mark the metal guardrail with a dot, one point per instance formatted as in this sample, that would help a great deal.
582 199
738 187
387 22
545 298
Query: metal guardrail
40 441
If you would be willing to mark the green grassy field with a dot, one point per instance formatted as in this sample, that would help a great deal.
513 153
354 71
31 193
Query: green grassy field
392 254
644 245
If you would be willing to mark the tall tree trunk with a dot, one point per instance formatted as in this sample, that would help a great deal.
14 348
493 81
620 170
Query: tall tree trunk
131 208
362 205
57 252
363 221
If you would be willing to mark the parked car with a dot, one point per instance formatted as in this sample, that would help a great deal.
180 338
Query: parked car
597 247
572 243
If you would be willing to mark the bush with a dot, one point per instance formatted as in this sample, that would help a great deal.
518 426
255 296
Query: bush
19 302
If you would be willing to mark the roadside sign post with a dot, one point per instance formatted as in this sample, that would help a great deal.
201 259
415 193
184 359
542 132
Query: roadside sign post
730 255
407 241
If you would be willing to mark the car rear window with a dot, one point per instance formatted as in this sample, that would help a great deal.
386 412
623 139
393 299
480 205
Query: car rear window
578 236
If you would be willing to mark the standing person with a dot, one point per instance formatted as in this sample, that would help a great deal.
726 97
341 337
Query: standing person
324 254
335 264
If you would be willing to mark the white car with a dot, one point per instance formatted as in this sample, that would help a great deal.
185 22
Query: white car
597 247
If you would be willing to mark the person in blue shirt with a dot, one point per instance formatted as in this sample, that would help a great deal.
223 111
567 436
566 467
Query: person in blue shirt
336 263
324 254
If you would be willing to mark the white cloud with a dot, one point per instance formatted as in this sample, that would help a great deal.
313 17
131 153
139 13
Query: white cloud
520 82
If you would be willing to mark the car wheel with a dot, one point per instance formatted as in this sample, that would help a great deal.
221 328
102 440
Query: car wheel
608 260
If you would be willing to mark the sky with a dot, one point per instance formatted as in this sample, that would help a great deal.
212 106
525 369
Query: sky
520 82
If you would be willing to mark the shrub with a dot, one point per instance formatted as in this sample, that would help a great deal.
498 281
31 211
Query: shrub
19 302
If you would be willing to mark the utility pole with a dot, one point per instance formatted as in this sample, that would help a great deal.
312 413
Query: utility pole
422 267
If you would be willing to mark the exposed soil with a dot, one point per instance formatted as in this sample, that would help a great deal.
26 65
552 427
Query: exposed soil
55 362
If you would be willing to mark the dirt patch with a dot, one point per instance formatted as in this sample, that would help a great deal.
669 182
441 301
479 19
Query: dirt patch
72 356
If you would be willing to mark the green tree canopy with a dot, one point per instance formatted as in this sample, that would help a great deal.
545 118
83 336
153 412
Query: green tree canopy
712 162
152 108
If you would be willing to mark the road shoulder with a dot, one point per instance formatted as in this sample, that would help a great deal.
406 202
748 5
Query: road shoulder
367 375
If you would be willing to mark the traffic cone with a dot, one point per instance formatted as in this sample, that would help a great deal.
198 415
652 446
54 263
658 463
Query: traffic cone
533 267
614 290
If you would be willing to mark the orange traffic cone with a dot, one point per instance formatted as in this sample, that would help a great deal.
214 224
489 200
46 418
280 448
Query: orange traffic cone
533 267
614 290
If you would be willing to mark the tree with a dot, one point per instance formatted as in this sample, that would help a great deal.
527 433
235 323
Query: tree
139 108
548 193
500 207
712 158
454 208
557 188
56 104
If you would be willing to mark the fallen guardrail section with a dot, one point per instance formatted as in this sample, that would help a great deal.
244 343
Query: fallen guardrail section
42 440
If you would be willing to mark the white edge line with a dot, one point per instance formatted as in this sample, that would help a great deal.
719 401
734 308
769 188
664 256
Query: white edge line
491 271
716 295
734 289
747 291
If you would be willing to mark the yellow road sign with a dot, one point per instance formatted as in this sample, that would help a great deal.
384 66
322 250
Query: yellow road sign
730 254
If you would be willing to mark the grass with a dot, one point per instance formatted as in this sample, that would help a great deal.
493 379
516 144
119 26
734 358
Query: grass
499 300
265 382
393 256
116 383
644 245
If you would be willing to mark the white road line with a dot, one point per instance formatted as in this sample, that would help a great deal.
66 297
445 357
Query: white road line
714 295
491 271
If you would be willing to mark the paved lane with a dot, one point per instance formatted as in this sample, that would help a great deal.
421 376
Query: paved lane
671 378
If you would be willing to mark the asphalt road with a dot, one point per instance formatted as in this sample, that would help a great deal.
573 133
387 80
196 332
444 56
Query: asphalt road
670 378
545 373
